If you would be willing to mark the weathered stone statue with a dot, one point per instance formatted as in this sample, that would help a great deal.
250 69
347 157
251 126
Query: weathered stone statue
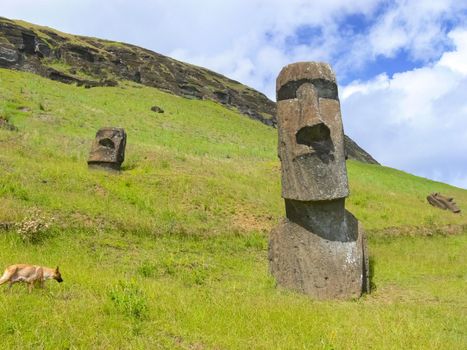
439 201
319 249
108 149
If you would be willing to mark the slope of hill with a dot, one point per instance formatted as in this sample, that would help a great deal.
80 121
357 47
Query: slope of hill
171 253
179 158
94 62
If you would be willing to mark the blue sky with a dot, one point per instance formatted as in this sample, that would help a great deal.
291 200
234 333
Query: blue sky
401 65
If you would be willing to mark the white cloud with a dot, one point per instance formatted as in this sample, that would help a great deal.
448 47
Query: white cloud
411 120
416 120
387 36
222 35
380 82
217 33
457 61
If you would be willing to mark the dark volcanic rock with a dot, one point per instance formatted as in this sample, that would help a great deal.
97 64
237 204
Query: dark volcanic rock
34 49
223 97
42 49
157 109
8 56
354 151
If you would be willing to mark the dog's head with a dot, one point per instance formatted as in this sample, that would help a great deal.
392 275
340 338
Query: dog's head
57 275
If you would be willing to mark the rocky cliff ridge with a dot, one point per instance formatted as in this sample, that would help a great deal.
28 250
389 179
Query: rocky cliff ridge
91 62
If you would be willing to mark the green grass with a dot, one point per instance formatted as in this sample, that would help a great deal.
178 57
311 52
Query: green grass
216 293
172 252
384 198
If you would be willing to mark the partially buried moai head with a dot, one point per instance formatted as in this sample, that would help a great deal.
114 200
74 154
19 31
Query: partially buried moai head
311 136
108 148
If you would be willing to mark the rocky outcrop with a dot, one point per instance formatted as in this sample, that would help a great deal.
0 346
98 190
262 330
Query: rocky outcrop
354 151
92 62
157 109
38 49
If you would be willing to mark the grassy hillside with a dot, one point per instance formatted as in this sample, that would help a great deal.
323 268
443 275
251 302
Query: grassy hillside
172 252
95 62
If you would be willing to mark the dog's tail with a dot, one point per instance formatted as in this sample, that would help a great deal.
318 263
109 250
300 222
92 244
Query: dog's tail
6 276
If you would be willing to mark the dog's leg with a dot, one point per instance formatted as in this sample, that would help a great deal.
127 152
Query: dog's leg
10 284
41 279
31 284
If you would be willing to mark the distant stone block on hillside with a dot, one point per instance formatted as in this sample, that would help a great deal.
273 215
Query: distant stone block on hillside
108 149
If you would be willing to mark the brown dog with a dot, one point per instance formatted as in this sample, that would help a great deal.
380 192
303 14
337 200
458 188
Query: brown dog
30 274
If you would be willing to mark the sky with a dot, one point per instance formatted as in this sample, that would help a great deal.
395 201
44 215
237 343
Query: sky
401 66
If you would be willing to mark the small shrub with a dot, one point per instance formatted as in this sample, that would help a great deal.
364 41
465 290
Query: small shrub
429 220
35 227
169 265
129 299
165 164
196 276
146 269
6 124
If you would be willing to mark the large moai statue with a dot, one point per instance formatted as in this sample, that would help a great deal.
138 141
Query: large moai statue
319 249
108 149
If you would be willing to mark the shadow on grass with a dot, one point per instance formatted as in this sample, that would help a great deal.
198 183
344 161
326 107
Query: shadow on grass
372 274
